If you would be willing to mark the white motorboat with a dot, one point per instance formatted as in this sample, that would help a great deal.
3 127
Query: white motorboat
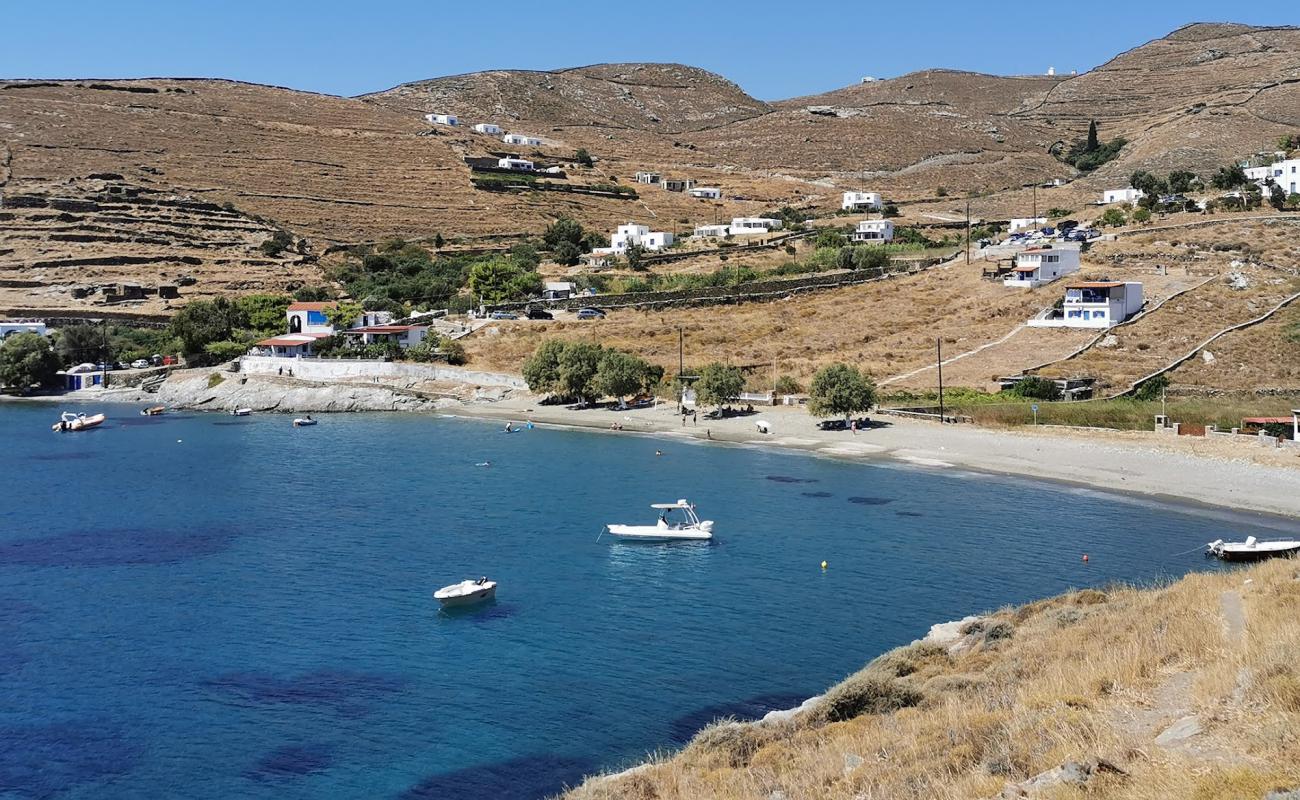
240 412
69 421
466 592
670 526
301 422
1253 549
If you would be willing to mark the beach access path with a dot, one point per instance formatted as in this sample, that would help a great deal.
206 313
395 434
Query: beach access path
1243 476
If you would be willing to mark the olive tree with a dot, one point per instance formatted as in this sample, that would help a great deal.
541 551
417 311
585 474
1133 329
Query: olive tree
838 389
542 369
578 363
620 374
27 360
718 384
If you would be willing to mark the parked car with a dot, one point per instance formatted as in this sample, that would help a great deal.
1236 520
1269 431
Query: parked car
538 313
156 360
140 363
590 313
503 315
121 365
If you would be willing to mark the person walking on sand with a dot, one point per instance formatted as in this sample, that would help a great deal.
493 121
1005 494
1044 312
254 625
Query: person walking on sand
708 434
853 427
695 418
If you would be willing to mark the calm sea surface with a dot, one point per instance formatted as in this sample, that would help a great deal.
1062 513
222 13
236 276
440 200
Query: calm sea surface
200 606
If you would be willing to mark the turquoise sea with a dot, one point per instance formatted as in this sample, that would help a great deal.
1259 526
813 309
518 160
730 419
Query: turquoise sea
199 606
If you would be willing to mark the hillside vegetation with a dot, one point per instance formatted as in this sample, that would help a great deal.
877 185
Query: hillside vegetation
1191 690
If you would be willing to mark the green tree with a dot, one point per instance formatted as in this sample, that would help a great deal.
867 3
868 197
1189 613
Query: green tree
1293 200
1152 389
225 351
1093 143
343 313
1229 177
583 157
1112 218
838 389
620 374
563 229
312 294
1148 183
1182 181
265 313
203 321
453 351
82 342
525 256
498 281
1277 197
567 253
719 383
635 256
868 256
277 244
1142 215
786 384
27 360
578 363
1036 388
830 237
541 370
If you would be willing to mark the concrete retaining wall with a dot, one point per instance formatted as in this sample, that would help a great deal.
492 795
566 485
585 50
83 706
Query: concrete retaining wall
329 369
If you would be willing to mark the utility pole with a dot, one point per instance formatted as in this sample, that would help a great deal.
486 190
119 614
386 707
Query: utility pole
968 233
938 349
681 360
1035 206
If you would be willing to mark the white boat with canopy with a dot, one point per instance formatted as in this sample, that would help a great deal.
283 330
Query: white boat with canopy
1253 549
466 592
670 527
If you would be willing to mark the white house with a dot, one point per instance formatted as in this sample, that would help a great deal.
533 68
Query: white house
404 336
519 138
648 177
711 231
878 231
1025 223
862 201
287 345
9 327
1095 304
517 164
1129 195
1284 173
558 290
632 234
706 192
676 184
442 119
1039 265
744 225
488 127
309 318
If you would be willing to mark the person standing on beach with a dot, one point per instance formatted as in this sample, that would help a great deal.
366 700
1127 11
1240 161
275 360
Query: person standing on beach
695 418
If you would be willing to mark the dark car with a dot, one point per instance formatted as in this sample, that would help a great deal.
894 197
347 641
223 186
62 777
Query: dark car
537 313
590 313
1067 225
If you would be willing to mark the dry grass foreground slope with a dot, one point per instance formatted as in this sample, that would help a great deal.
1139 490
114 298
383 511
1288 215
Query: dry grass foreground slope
1191 690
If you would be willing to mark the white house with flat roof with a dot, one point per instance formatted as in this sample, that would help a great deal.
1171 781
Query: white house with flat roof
648 177
442 119
309 318
1129 195
1025 223
517 164
711 231
746 225
862 201
557 290
404 336
632 234
9 327
1094 304
676 184
487 127
519 138
874 231
706 192
1284 173
1040 265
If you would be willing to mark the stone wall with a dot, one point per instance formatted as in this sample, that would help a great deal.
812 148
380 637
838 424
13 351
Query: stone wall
343 369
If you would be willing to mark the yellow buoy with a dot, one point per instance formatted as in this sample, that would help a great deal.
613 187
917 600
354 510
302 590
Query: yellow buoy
823 565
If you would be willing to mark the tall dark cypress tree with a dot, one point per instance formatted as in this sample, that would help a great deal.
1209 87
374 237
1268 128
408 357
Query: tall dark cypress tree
1093 144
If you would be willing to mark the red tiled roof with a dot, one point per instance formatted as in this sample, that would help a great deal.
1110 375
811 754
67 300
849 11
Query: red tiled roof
1026 269
1266 420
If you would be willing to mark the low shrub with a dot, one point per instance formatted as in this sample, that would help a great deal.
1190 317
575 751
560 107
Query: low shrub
865 692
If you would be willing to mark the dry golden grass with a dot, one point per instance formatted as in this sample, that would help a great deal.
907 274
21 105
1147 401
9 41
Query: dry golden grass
1085 676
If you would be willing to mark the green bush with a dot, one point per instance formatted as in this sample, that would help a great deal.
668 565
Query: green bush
225 351
866 692
1152 389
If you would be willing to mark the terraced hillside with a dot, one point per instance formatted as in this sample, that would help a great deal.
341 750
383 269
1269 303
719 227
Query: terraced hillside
71 247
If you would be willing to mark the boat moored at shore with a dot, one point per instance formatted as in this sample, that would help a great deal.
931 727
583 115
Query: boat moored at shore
240 412
1253 549
669 527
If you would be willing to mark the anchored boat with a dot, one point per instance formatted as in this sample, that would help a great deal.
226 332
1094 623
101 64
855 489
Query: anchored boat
302 422
240 412
466 592
677 521
69 421
1253 549
152 411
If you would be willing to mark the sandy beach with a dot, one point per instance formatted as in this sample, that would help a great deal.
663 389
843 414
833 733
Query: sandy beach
1241 476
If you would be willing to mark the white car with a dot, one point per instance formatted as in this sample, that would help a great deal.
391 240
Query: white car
140 363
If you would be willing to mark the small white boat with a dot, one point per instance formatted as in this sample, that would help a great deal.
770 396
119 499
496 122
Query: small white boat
240 412
1252 549
670 527
301 422
466 592
152 411
69 421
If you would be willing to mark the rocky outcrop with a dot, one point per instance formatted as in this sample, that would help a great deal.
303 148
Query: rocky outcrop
219 390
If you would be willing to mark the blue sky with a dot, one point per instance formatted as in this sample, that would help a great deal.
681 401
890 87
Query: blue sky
772 49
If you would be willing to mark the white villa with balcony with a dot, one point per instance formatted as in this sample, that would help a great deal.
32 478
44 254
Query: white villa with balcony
307 322
442 119
862 201
1129 195
1041 265
874 231
744 225
1284 173
711 231
522 139
488 127
632 234
516 164
1094 304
